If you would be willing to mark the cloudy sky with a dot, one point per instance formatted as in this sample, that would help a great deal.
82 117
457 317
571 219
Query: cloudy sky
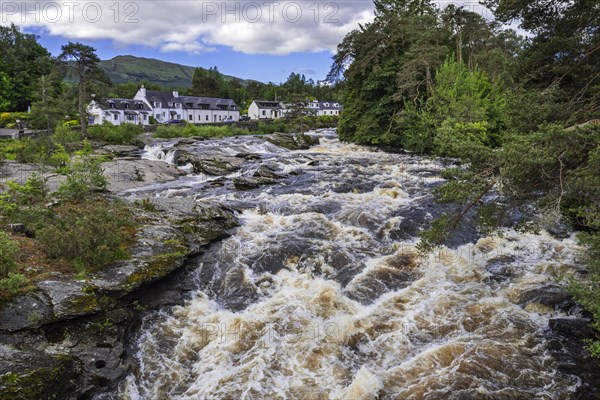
263 40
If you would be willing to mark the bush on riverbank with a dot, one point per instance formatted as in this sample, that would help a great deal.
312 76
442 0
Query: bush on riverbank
282 125
81 230
121 134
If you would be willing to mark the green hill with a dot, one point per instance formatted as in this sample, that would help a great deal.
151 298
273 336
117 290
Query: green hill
123 69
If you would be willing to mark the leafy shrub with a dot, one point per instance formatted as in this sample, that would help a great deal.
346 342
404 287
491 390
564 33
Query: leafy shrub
66 137
13 282
84 177
92 232
25 203
122 134
9 251
189 130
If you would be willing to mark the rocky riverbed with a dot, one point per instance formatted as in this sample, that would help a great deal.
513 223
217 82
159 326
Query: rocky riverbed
284 236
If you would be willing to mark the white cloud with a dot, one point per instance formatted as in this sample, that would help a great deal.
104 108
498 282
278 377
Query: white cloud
251 27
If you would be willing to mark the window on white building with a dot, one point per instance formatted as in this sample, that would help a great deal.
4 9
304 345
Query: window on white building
178 116
207 117
115 117
264 112
191 117
199 117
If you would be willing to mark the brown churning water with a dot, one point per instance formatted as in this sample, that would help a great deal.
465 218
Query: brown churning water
321 294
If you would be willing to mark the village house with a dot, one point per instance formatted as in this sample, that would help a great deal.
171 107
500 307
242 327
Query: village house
319 108
264 109
168 106
119 111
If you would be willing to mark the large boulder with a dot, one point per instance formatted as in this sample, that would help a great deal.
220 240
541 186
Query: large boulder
211 165
33 375
129 174
120 151
292 141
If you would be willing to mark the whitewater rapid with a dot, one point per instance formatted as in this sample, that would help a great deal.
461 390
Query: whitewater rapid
321 293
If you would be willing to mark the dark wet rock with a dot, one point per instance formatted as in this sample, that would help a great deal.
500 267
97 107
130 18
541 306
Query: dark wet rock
248 156
120 151
265 171
211 165
16 228
551 296
128 174
69 298
501 267
396 272
190 140
292 141
567 338
558 229
578 328
244 183
34 375
27 311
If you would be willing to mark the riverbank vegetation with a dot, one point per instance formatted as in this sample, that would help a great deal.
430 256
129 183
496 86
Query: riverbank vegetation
519 113
72 230
282 125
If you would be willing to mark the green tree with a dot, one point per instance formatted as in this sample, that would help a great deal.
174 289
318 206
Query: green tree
564 53
82 62
384 63
22 61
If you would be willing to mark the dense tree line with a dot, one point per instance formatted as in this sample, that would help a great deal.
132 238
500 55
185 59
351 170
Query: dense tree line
519 114
30 76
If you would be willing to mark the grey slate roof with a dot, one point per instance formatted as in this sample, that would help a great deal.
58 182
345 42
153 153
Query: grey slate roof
275 105
121 104
162 97
189 102
326 105
213 103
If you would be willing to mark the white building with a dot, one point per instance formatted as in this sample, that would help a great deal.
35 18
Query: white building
119 111
319 108
167 106
264 109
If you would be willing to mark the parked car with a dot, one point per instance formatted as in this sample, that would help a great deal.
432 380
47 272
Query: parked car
244 118
174 122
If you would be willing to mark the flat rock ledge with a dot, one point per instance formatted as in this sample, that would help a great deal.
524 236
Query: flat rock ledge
66 339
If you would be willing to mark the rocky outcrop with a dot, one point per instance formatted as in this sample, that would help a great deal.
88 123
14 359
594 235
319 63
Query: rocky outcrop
125 174
212 165
37 375
295 141
66 338
120 151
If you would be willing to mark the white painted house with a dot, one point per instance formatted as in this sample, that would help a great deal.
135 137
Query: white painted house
319 108
264 109
168 106
119 111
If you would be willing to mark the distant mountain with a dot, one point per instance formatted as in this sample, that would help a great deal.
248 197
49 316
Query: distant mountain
123 69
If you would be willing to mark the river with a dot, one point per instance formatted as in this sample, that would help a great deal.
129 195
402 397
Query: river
321 293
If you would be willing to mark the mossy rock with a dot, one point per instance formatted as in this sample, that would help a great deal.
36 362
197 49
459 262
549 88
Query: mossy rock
37 376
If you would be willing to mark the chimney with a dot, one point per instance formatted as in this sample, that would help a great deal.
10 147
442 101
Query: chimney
175 93
143 91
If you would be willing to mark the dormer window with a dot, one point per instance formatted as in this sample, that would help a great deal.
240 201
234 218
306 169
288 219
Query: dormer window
140 106
127 105
111 105
157 104
177 105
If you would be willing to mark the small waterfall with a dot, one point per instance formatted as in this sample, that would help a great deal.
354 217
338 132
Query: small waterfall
160 152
